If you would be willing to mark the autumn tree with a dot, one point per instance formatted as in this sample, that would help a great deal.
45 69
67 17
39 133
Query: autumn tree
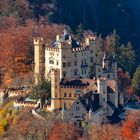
130 126
64 131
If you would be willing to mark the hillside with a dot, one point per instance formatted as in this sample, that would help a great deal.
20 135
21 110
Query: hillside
102 16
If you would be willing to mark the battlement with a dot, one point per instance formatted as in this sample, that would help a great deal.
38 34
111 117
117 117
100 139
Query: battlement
80 49
50 48
38 40
73 87
21 104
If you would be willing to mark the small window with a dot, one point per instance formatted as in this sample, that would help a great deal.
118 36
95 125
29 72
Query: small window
108 96
64 64
75 55
64 73
91 59
51 61
65 94
91 51
99 69
57 63
69 94
108 76
64 56
77 102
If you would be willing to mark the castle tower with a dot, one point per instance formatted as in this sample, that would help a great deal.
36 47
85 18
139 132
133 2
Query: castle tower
55 89
102 89
39 59
105 62
114 66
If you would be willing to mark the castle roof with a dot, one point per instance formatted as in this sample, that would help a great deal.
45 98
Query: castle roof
90 101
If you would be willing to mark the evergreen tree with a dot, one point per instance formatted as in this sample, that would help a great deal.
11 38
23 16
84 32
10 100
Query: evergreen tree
136 81
41 91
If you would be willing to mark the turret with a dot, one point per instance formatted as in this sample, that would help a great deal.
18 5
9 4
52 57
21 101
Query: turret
114 63
39 59
55 89
105 62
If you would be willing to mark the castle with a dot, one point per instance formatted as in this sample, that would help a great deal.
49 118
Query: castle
78 83
72 58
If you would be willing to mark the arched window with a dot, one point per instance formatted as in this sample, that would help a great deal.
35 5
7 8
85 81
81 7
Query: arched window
51 61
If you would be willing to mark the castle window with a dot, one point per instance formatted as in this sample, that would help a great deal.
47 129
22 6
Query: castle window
51 61
91 51
64 73
55 86
91 59
69 94
64 64
108 76
57 63
108 96
65 94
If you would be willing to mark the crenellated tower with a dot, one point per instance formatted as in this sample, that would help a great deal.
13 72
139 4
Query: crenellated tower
102 89
55 89
39 59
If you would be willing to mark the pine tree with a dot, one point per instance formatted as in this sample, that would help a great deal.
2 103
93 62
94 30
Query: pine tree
136 81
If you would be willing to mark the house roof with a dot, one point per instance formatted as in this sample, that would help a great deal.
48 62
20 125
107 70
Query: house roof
90 101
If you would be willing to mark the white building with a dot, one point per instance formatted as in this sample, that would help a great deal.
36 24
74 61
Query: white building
72 58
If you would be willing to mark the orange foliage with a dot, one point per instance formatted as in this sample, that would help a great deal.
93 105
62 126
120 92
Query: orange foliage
16 44
63 131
